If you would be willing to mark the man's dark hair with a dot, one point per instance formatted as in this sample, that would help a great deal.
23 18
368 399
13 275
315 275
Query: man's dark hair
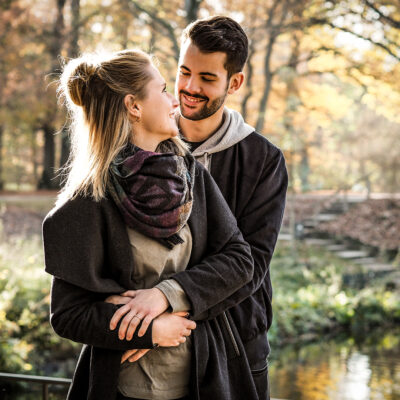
222 34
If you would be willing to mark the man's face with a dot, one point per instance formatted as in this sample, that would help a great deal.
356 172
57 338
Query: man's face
202 82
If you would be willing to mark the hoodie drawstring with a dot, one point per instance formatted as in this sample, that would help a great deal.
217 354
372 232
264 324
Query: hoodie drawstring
207 161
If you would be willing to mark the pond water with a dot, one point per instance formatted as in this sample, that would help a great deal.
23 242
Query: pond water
334 369
339 369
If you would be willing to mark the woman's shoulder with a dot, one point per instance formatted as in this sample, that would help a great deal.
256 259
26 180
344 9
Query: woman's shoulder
81 207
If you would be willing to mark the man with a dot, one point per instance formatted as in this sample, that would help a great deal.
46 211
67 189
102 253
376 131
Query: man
251 174
249 170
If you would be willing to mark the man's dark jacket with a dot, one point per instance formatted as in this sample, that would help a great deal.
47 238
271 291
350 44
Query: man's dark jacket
87 251
252 177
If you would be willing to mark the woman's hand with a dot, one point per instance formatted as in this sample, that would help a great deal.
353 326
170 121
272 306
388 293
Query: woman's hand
165 333
172 329
142 307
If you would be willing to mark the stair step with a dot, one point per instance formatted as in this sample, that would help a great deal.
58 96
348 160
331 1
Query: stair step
318 242
365 261
309 223
324 217
336 247
381 268
351 254
285 236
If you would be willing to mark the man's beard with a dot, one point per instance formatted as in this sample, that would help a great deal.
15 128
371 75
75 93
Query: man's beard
207 109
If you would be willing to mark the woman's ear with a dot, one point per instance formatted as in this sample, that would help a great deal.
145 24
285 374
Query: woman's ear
235 82
132 107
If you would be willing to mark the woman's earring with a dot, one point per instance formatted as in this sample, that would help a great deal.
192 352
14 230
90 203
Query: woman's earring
137 119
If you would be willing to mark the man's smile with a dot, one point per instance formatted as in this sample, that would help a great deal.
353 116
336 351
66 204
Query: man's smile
192 100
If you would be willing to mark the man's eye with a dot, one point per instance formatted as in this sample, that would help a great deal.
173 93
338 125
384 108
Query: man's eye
208 80
185 73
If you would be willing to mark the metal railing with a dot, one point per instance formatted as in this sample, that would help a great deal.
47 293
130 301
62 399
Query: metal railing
45 381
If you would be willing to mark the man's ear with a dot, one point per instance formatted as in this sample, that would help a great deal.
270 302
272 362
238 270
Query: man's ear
132 107
235 82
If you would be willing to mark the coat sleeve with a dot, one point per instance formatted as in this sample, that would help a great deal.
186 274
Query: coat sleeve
81 316
74 251
259 224
228 264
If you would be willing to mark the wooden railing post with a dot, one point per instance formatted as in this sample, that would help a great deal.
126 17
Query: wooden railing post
45 381
45 393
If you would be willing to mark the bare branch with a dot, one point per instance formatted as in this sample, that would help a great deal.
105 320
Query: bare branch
134 5
378 44
313 54
382 17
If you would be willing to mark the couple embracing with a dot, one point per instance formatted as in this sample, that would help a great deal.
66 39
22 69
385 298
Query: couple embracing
161 238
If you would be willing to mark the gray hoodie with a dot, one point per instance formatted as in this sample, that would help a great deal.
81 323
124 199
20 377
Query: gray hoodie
232 131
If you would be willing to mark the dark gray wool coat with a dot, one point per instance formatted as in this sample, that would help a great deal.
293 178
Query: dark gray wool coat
252 177
88 253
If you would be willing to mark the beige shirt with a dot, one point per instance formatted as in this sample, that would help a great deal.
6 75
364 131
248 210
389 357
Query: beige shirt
163 373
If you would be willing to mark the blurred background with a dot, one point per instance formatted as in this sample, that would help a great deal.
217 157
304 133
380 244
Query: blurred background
322 83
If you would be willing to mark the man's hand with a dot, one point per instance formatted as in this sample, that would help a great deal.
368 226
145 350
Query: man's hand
142 306
133 355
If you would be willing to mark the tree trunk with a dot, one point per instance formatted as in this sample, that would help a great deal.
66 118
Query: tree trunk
304 170
249 86
47 180
65 147
268 75
73 52
192 10
34 150
75 24
1 157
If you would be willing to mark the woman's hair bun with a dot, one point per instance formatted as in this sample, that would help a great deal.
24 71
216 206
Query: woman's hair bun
78 78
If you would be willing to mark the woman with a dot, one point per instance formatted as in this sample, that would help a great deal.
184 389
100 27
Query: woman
138 216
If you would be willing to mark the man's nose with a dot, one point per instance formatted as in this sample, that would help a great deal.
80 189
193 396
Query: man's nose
192 85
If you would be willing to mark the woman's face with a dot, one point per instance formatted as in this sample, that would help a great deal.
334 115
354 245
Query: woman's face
157 112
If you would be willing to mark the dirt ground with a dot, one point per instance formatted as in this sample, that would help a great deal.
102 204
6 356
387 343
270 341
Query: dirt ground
22 214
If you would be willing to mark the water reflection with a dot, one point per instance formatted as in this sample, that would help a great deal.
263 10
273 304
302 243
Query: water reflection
340 369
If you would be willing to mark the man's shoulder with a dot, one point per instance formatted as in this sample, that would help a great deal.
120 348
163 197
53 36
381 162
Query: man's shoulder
255 148
258 143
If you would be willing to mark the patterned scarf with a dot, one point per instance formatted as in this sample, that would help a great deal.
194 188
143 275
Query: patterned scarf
154 190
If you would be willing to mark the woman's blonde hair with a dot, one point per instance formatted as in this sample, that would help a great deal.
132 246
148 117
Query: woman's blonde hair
94 87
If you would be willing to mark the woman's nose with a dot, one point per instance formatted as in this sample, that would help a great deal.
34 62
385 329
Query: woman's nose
174 101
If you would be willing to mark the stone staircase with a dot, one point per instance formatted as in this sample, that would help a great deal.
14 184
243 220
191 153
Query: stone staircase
369 266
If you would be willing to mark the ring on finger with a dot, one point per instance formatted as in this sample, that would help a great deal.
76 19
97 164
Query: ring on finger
137 316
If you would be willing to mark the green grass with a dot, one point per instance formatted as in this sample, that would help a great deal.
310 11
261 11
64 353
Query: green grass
28 343
311 298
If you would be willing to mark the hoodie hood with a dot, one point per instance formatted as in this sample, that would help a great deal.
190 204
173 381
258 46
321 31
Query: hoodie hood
232 131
